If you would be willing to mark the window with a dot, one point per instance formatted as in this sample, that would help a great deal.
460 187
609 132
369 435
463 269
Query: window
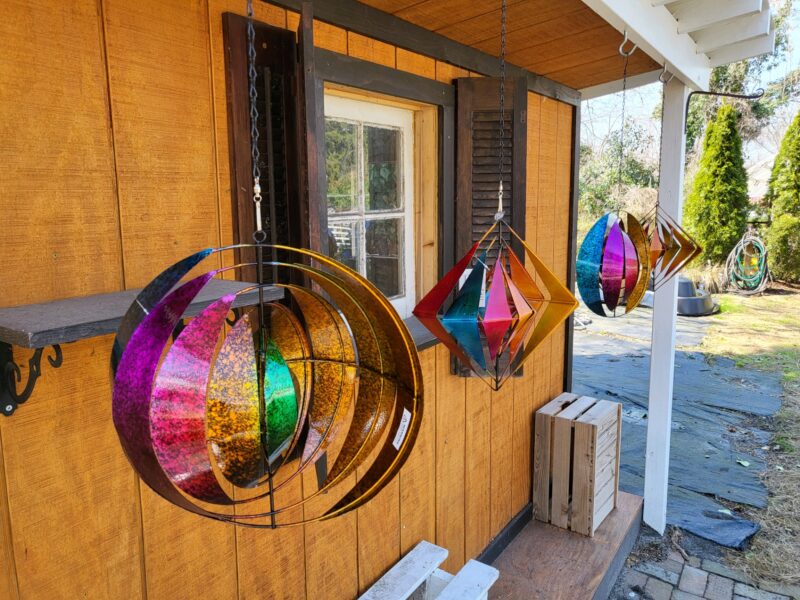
370 193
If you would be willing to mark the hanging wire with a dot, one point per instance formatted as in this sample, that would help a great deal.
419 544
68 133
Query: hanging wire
260 236
500 212
625 56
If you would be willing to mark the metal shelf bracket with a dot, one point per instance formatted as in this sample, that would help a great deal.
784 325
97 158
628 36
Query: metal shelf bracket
11 376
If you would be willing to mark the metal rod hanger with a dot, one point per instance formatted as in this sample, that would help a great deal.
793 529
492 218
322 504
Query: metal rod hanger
759 93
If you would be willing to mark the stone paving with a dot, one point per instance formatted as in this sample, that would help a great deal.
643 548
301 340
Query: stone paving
692 578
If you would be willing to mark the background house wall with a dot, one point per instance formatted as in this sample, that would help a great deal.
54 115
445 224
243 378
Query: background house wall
114 148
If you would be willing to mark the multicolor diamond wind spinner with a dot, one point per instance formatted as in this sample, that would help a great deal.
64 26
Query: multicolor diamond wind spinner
499 315
613 267
230 413
671 248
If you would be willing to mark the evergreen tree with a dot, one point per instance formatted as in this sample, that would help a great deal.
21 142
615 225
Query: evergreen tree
783 195
716 208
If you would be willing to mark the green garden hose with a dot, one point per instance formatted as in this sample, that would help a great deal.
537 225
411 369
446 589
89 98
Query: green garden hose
747 269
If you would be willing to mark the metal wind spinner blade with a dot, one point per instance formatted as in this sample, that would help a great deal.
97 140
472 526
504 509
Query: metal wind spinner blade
671 248
494 322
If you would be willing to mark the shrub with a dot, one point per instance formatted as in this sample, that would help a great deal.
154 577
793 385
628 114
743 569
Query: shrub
716 208
783 195
783 244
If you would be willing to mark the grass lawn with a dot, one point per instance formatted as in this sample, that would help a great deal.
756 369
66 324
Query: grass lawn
763 332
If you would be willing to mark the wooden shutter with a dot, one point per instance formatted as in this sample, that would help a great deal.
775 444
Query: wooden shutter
285 76
478 164
478 156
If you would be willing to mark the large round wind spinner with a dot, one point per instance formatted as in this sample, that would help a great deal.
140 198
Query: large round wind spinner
489 310
217 411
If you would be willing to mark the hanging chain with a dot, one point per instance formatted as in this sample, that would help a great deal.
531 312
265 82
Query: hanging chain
625 56
260 235
500 214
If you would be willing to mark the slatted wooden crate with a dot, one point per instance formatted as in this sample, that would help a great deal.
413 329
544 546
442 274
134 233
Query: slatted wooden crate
576 462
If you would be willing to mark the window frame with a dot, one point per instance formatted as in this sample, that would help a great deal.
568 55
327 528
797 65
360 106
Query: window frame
364 112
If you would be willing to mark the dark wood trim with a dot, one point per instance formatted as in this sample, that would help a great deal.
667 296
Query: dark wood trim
365 75
506 535
572 253
447 189
313 132
385 27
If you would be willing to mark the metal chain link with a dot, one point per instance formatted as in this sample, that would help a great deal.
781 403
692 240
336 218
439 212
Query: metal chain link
255 155
500 212
625 56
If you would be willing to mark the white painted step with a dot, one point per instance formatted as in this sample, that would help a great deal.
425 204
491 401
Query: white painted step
409 574
472 582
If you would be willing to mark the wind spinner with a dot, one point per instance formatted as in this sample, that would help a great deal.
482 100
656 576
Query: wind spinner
613 268
670 247
488 310
223 416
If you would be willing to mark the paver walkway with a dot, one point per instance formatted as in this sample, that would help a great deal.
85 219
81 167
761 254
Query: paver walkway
690 578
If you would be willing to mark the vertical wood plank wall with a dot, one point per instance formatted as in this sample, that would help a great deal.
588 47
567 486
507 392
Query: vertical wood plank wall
115 164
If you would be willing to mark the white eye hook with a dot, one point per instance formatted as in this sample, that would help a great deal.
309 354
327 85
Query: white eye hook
622 46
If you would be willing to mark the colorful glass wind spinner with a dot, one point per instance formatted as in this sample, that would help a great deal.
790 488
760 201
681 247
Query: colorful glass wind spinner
321 379
499 314
621 254
671 248
613 267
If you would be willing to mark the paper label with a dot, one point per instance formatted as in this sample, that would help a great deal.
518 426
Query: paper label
405 420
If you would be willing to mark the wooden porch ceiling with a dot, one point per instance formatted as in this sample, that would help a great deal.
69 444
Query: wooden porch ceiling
564 40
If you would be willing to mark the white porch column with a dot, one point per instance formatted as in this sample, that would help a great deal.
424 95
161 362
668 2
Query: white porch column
662 357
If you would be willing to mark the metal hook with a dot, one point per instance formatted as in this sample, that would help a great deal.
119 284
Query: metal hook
662 76
622 46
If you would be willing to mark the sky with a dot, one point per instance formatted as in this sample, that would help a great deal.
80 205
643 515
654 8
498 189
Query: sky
601 115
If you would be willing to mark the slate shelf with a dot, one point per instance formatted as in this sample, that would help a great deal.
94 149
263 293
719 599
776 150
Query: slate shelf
73 319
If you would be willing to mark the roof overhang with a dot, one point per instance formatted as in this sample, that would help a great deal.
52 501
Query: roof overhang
688 37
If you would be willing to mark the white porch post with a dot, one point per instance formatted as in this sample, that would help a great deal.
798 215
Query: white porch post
662 357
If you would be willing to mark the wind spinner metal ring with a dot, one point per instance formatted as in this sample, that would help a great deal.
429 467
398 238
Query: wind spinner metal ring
500 314
230 413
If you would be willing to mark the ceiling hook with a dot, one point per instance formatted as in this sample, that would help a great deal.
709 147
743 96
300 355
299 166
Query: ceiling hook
622 46
665 77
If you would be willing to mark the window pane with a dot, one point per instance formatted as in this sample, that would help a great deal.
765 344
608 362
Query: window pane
340 165
383 152
343 242
384 243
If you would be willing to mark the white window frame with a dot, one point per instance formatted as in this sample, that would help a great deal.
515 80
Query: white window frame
381 115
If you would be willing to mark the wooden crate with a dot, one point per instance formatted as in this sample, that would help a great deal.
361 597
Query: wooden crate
576 462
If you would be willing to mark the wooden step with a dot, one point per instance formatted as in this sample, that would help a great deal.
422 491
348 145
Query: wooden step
472 582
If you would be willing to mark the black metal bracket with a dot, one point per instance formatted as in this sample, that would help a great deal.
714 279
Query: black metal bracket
11 376
759 93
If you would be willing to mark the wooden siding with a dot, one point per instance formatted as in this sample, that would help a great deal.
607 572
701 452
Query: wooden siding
115 146
565 41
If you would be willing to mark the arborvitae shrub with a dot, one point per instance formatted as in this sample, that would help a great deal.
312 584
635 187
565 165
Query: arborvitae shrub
783 236
716 208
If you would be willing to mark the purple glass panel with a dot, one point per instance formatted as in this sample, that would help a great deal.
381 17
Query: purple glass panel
612 269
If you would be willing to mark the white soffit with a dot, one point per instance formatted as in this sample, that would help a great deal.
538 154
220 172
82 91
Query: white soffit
689 37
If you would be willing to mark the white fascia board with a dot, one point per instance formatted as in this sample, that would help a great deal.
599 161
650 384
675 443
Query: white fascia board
612 87
734 31
693 15
654 30
742 50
